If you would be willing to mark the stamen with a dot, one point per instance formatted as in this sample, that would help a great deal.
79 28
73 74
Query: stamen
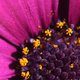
23 74
55 45
75 41
78 27
48 32
69 31
49 70
72 65
68 43
79 40
41 53
27 76
23 62
36 43
61 24
25 50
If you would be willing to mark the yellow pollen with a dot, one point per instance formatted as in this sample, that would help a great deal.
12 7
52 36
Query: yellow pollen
41 45
45 38
78 27
55 45
60 25
25 50
49 70
23 62
75 41
26 41
39 26
69 31
68 43
36 43
79 40
73 52
42 31
40 67
23 74
64 22
52 14
76 33
72 65
48 33
51 10
56 59
27 76
41 53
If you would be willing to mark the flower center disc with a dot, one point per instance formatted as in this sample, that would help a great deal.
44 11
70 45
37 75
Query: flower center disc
53 55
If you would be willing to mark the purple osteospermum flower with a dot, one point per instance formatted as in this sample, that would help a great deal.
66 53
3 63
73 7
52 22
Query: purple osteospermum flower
22 19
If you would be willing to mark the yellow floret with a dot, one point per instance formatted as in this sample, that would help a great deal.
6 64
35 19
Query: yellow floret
75 41
48 32
27 76
78 40
36 43
69 31
41 53
55 45
25 50
23 74
49 70
72 65
61 24
23 62
68 43
40 67
78 27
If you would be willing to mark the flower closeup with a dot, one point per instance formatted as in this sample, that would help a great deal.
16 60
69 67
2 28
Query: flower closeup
39 40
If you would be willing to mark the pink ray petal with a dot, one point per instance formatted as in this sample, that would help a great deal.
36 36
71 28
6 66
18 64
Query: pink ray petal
30 10
6 48
44 11
5 71
13 19
74 11
55 4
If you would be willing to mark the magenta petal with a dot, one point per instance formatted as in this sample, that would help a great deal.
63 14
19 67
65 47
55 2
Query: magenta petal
7 35
13 20
5 71
74 11
44 8
6 60
6 48
55 4
30 11
22 18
